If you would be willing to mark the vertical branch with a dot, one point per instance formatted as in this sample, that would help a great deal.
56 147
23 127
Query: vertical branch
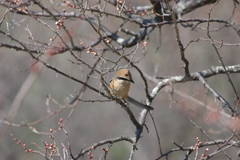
180 45
218 54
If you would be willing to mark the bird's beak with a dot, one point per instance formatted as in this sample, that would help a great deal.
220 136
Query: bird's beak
131 80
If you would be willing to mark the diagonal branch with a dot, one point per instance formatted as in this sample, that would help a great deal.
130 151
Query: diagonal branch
107 141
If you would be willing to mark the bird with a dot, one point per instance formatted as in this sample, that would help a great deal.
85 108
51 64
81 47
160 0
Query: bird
120 85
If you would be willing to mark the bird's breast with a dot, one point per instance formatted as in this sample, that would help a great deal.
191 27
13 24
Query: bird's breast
120 88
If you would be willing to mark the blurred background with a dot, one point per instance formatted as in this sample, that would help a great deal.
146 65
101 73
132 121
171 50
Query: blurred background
93 122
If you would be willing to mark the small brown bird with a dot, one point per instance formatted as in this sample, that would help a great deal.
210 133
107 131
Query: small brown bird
120 85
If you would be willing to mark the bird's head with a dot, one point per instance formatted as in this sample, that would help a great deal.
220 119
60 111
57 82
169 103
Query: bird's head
124 75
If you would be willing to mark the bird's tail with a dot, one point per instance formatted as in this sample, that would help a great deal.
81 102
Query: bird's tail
138 104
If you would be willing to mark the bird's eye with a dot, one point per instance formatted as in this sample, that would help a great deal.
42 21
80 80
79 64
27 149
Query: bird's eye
126 75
